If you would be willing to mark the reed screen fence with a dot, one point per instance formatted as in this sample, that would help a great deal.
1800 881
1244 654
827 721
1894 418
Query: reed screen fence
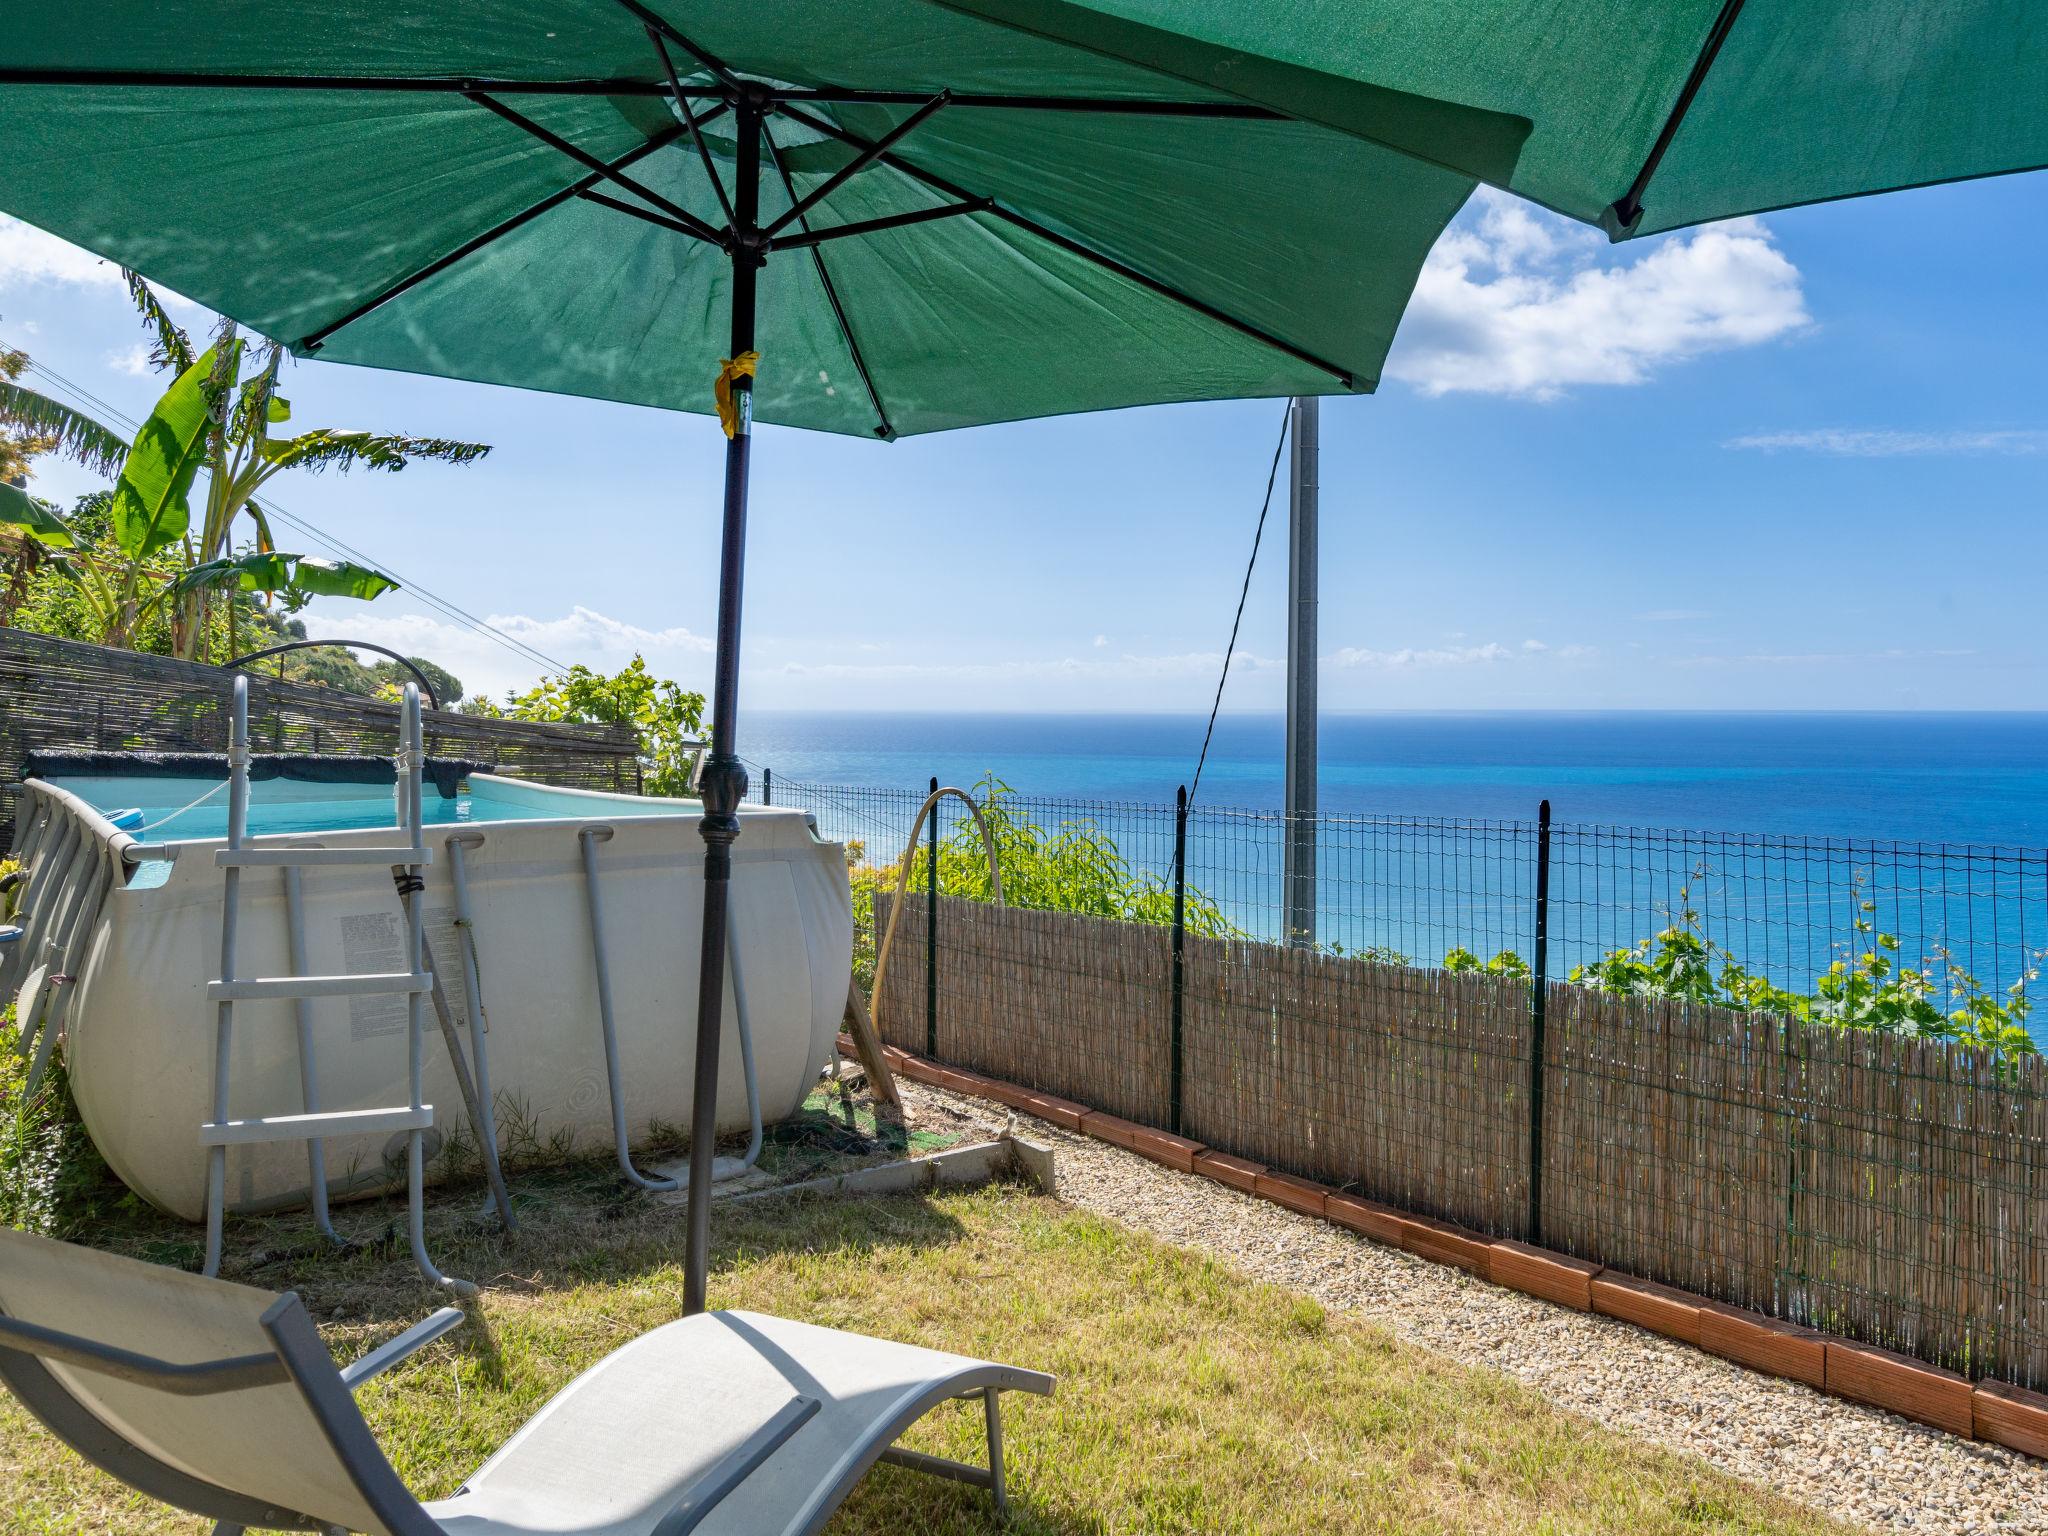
63 694
1874 1184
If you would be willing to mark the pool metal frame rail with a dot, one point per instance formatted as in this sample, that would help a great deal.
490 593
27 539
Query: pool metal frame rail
414 1118
66 875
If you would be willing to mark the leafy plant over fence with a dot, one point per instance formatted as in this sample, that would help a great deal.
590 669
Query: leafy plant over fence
1072 867
1867 986
1076 866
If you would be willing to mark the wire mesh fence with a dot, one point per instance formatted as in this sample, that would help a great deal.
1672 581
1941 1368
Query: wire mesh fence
1854 929
1792 1074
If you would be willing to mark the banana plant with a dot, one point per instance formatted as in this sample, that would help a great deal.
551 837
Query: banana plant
32 424
217 417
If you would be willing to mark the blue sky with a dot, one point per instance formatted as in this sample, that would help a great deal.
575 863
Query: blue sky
1795 463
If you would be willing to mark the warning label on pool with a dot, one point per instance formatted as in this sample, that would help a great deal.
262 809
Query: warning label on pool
375 941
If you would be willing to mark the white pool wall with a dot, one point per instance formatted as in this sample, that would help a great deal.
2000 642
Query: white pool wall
139 1040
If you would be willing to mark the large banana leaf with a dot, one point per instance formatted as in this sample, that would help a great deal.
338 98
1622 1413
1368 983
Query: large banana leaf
352 447
270 571
18 509
338 578
150 502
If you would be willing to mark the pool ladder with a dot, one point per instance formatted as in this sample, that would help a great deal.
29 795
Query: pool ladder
414 1118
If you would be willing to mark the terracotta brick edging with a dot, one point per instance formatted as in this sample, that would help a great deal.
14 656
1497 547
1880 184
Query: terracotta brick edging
1994 1411
1659 1308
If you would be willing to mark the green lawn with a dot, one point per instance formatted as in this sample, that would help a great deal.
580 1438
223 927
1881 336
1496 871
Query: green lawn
1191 1399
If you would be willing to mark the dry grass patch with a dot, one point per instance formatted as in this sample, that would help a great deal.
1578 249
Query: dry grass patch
1191 1399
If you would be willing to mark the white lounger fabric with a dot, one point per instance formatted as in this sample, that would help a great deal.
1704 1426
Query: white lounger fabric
616 1448
262 1441
614 1453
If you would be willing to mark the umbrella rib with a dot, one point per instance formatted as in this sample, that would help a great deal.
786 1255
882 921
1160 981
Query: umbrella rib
1132 106
583 157
654 21
870 153
404 84
1630 208
817 237
648 214
1074 247
683 106
470 247
1135 106
885 430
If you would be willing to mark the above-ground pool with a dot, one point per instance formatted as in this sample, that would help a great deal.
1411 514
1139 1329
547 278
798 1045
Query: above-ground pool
139 1031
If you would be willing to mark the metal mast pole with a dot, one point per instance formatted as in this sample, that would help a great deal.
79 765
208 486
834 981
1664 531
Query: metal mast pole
1299 864
724 781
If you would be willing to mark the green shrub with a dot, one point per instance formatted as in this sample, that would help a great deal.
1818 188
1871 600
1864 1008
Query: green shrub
52 1178
1073 867
1865 987
667 717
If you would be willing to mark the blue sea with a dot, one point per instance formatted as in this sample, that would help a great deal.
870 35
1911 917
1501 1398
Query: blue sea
1924 778
1773 836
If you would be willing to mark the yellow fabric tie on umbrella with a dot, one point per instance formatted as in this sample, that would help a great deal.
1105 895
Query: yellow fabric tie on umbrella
729 369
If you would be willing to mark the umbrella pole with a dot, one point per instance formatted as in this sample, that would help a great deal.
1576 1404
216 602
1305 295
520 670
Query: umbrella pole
724 781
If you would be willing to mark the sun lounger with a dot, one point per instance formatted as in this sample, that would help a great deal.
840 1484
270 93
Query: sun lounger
223 1400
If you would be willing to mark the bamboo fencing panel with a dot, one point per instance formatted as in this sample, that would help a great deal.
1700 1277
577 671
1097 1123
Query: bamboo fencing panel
1406 1085
1666 1142
1879 1187
60 693
1061 1003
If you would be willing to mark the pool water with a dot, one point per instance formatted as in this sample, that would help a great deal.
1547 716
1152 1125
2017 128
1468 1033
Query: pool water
166 824
169 814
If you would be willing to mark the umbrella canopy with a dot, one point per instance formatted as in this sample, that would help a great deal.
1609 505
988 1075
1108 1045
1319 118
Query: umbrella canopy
1648 114
502 190
878 219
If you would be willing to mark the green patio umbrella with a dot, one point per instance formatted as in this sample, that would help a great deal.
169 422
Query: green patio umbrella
1648 114
877 218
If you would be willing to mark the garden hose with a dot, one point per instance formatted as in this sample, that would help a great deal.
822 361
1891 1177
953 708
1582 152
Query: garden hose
995 881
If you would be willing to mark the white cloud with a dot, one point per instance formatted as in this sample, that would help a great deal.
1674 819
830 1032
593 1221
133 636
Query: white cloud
1410 658
485 665
134 362
1422 656
1101 641
28 255
1196 664
1517 301
1887 443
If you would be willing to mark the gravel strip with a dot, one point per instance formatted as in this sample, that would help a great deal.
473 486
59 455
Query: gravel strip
1857 1463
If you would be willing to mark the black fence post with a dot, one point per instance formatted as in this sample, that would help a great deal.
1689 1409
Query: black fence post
931 933
1180 939
1539 986
767 786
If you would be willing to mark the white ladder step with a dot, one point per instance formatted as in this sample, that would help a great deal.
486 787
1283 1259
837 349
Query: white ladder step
319 858
287 988
341 1122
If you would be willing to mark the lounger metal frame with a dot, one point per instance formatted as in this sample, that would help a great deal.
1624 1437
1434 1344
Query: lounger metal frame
301 1359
